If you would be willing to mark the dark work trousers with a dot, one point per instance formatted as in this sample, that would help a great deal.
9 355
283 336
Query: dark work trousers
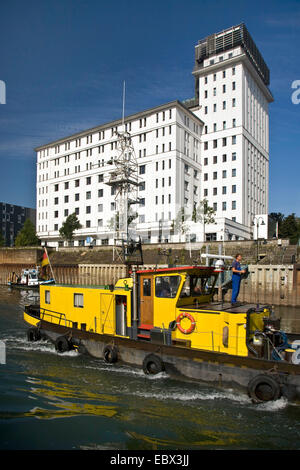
236 282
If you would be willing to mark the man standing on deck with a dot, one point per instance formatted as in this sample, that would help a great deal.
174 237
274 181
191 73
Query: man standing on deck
236 278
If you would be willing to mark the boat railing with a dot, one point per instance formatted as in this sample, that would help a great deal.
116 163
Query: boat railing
61 317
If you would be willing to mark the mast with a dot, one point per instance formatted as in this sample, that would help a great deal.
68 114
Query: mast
124 181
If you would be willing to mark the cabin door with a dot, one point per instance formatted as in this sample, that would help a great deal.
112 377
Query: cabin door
146 300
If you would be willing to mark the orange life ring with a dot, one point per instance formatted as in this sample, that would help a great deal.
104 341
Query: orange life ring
191 328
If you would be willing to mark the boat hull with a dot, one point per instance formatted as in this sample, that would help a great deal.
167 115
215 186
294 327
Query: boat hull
248 374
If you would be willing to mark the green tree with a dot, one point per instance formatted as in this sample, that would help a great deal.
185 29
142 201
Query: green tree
205 210
290 228
69 226
27 235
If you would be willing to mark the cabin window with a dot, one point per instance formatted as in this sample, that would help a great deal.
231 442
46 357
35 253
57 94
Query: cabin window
196 285
146 287
78 300
47 297
167 286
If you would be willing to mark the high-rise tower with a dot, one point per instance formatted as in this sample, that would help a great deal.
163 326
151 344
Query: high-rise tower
232 99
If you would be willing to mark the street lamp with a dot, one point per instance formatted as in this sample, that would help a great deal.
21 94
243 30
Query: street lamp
259 221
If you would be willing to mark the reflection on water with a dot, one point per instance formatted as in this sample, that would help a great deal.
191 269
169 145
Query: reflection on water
87 404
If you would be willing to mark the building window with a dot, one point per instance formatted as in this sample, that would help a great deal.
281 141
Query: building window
234 188
88 195
224 206
88 224
233 205
88 180
233 172
142 169
78 300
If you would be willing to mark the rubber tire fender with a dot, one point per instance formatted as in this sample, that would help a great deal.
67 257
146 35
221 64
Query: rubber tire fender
153 364
62 344
262 388
33 334
110 354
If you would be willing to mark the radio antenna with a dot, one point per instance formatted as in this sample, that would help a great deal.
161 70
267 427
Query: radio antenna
123 114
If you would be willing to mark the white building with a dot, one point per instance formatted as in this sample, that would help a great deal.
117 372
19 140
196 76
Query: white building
213 147
72 175
232 98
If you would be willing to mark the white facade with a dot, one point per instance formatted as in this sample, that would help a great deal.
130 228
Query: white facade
233 103
72 175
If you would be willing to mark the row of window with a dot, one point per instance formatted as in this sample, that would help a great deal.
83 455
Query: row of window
223 73
224 126
224 142
224 206
215 159
224 106
214 91
224 190
88 139
224 174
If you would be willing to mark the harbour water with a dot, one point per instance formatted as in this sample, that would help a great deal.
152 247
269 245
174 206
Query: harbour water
51 401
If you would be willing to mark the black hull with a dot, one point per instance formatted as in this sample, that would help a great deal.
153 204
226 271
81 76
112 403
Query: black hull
218 369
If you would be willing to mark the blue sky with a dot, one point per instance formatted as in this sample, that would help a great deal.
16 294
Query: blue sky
64 63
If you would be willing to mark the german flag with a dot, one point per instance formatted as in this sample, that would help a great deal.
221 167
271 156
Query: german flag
45 259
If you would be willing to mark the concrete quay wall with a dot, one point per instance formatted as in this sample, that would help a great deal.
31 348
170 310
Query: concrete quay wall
277 284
